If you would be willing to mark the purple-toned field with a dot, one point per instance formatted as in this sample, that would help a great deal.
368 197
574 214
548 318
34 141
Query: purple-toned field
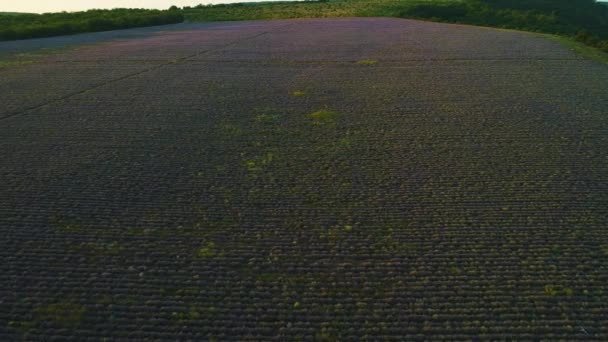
327 179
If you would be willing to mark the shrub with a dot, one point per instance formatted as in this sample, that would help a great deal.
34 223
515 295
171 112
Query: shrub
55 24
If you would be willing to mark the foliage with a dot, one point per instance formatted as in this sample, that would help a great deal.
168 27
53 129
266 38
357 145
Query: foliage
298 93
25 26
583 49
367 62
65 314
441 201
208 250
587 19
301 9
323 117
13 13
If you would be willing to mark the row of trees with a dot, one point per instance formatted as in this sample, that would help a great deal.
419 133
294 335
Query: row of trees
587 20
25 26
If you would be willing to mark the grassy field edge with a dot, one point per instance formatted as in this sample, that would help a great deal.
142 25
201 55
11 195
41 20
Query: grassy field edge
535 17
582 49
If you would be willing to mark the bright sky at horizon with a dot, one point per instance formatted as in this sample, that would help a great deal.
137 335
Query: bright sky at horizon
41 6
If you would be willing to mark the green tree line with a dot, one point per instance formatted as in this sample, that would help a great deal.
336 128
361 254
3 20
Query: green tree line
586 20
25 26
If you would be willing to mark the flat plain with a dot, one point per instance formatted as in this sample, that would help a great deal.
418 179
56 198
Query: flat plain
309 179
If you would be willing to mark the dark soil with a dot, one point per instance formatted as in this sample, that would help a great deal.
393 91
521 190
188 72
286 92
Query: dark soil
343 179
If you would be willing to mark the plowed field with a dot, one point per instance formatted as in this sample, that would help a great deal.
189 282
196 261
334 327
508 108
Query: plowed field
327 179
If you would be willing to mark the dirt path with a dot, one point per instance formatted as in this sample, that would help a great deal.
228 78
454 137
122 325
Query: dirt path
305 179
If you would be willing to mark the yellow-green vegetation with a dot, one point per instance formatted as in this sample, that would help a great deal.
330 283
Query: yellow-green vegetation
267 118
550 290
259 163
385 241
345 142
297 93
6 64
12 60
185 317
231 130
584 19
367 62
323 117
455 270
452 182
99 248
14 13
208 250
55 24
65 225
553 291
267 115
580 48
303 9
65 314
336 233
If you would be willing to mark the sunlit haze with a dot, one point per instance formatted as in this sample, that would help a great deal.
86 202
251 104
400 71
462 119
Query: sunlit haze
41 6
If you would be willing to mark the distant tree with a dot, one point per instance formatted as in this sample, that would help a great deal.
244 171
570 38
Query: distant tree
62 23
